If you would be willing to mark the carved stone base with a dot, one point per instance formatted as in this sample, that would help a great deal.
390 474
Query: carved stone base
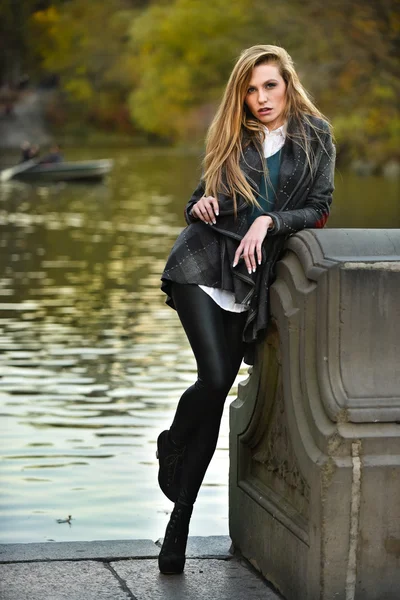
315 434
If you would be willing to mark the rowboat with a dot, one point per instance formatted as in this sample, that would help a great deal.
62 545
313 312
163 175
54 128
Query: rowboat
83 170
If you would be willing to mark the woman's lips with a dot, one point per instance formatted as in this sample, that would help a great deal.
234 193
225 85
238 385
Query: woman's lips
264 111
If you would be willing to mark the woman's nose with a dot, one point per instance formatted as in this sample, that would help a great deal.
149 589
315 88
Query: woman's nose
262 96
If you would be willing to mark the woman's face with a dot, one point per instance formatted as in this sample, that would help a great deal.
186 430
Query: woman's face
266 95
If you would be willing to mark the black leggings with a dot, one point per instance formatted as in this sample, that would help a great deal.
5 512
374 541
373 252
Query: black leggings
215 336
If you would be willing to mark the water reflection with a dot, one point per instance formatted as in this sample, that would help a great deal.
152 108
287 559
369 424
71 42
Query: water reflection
87 345
92 362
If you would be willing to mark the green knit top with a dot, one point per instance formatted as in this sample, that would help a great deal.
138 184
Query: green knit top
266 198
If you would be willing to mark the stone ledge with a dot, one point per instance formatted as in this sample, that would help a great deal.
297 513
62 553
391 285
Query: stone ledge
203 579
198 547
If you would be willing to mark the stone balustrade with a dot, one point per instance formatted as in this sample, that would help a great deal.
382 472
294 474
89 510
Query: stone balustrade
315 430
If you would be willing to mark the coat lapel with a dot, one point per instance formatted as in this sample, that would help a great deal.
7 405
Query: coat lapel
251 165
291 172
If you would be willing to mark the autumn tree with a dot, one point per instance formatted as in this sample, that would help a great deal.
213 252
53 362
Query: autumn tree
86 44
346 53
163 64
184 51
16 44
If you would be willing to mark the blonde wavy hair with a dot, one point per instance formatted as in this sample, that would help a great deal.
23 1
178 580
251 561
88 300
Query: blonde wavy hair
225 135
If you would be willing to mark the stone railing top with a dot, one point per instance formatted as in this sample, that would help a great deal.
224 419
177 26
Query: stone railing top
352 314
324 246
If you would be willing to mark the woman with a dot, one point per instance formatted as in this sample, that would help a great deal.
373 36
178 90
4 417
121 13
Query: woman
268 172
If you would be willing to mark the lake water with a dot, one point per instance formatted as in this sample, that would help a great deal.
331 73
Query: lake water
92 362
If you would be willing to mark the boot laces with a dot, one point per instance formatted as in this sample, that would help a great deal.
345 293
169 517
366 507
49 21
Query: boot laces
174 524
173 462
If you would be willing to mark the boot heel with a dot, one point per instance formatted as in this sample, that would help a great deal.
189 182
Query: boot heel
171 560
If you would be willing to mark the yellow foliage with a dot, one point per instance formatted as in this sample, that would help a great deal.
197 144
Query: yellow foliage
170 59
80 89
46 17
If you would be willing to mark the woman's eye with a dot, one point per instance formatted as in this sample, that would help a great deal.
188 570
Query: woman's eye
250 90
271 85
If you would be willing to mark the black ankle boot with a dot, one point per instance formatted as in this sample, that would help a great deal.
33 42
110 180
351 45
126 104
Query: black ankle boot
171 559
170 457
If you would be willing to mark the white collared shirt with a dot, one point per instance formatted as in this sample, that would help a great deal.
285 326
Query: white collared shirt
273 142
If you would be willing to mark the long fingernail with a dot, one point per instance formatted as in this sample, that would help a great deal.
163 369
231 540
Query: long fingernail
217 212
214 221
234 264
249 271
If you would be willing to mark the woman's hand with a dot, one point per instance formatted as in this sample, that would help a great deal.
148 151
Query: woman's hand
250 246
206 209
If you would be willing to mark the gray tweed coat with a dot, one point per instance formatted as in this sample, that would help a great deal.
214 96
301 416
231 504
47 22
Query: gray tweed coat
203 254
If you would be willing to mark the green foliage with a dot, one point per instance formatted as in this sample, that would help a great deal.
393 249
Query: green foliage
16 53
185 51
165 63
86 43
356 76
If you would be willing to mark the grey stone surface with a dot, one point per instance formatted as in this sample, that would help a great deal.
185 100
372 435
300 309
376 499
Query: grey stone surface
358 320
60 581
107 549
315 434
213 546
198 546
341 245
202 580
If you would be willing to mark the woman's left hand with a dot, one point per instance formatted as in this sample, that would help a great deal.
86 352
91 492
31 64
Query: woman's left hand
250 246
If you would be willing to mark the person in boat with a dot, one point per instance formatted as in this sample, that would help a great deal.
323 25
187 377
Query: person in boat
25 151
54 156
268 173
34 152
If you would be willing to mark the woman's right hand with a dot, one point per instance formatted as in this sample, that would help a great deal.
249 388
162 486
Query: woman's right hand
206 209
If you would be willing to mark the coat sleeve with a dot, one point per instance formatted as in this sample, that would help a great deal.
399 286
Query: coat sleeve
197 194
316 209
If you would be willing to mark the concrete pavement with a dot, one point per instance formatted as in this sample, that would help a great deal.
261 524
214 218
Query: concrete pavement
126 570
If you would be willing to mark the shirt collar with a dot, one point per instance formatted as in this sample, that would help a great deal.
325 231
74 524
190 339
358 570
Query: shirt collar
279 131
